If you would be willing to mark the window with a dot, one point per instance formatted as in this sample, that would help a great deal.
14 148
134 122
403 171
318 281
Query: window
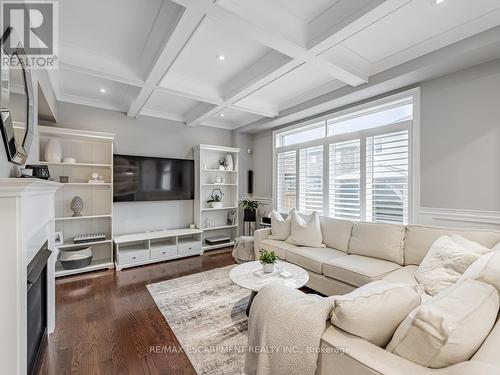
311 182
387 177
355 166
345 180
287 182
303 134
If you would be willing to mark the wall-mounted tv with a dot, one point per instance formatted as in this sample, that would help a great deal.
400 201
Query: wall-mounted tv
142 178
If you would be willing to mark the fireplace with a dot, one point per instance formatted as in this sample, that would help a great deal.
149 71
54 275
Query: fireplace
37 307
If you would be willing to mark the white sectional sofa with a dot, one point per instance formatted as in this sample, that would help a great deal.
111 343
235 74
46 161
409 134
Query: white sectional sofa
357 253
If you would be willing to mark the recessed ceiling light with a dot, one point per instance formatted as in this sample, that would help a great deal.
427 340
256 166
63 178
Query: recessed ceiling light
438 1
220 57
103 91
222 115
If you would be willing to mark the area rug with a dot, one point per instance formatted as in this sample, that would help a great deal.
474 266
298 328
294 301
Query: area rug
206 312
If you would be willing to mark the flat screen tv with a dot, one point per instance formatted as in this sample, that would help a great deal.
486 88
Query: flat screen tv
142 178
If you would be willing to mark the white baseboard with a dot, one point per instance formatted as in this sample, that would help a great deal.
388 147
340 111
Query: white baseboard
459 218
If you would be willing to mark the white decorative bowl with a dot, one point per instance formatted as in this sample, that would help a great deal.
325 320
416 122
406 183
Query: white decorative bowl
217 205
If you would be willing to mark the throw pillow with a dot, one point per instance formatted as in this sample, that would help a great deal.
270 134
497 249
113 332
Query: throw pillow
280 228
358 312
446 261
485 269
449 328
305 233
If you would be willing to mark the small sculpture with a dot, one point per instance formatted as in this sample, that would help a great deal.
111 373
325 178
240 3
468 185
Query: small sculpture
77 206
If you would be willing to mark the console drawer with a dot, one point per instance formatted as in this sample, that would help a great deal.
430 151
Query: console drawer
133 256
189 247
166 251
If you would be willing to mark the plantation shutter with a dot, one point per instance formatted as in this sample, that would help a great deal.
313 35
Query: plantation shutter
286 184
345 180
311 179
387 178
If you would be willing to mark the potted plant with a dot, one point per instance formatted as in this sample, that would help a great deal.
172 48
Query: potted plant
223 164
268 258
249 209
216 198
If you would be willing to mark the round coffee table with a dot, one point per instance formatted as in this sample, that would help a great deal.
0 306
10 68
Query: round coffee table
250 276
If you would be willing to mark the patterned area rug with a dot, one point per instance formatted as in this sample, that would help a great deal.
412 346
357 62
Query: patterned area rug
206 311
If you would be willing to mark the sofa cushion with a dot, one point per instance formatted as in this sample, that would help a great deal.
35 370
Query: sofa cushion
448 328
446 261
279 247
336 233
354 312
404 275
358 270
305 231
485 269
312 258
420 238
382 241
280 228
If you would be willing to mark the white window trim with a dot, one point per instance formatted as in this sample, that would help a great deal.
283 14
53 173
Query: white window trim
413 152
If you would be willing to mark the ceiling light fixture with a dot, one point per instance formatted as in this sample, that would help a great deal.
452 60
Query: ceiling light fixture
222 115
220 57
103 91
437 2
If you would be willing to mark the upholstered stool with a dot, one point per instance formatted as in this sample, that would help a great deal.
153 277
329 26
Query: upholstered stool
243 249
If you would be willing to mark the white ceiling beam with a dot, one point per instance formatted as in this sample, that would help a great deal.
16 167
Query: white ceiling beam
160 114
235 18
104 74
346 18
185 28
87 62
269 68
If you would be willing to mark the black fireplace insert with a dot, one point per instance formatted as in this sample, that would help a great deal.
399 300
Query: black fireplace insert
37 306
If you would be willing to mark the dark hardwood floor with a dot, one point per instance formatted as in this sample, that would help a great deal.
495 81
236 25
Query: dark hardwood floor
107 322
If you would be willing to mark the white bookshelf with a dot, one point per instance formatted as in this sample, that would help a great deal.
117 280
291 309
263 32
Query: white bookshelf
93 152
205 182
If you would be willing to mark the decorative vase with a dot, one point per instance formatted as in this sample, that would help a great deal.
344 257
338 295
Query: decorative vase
216 204
221 168
268 267
77 206
249 215
53 151
230 163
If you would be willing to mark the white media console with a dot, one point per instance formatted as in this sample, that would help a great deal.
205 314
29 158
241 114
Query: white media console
150 247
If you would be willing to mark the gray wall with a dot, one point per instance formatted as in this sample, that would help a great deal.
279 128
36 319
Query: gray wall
263 164
460 142
152 137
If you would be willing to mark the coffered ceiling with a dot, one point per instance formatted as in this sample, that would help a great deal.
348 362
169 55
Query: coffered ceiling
232 63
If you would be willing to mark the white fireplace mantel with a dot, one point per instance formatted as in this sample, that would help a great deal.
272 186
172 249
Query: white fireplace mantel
27 221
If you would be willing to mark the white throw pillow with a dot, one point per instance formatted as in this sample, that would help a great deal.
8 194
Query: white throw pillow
485 269
305 233
446 261
375 310
449 328
280 228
